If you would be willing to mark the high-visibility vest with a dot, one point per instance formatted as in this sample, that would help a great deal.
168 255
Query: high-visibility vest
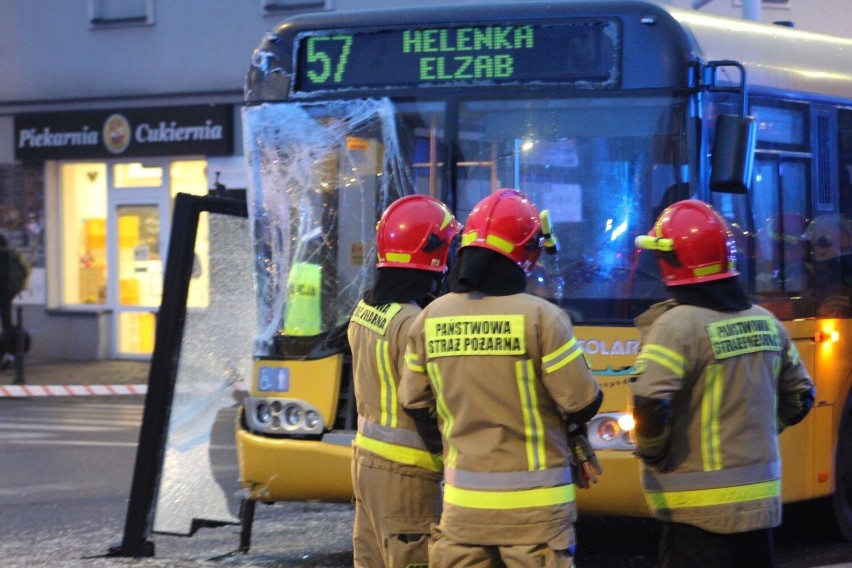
303 311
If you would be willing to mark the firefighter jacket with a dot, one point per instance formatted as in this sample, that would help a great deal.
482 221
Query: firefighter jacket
503 372
727 383
384 429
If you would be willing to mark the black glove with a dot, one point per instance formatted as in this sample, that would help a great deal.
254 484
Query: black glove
657 461
427 427
585 468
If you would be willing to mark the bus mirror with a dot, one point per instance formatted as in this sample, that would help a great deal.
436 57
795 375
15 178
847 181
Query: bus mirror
733 153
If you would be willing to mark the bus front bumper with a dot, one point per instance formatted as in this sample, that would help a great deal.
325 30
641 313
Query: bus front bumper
281 469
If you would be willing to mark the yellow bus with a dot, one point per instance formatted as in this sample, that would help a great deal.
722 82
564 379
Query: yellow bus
602 111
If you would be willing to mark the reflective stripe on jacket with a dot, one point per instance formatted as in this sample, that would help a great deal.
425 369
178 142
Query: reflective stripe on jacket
396 444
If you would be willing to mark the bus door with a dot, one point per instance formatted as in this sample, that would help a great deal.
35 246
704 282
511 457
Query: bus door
771 222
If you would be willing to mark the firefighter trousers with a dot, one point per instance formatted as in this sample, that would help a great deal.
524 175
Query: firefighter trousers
444 553
686 546
395 505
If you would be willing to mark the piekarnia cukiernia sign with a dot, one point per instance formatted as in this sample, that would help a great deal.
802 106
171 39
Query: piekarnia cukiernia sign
159 131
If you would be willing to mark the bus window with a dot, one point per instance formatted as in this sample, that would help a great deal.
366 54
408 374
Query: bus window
603 168
780 190
770 226
420 127
781 193
782 125
830 234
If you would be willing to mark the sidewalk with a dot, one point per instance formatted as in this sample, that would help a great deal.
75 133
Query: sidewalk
68 373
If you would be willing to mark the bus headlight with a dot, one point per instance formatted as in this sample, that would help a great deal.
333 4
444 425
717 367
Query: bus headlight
292 415
608 430
282 416
262 413
311 419
611 431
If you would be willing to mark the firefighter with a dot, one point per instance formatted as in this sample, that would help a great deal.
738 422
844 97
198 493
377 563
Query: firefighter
783 252
716 380
830 236
507 379
396 476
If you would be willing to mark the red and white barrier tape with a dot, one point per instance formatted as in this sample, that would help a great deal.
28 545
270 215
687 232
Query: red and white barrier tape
7 391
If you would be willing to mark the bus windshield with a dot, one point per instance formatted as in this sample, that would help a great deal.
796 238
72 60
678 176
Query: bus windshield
603 167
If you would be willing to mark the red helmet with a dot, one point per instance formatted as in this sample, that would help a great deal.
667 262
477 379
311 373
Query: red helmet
508 223
694 242
415 231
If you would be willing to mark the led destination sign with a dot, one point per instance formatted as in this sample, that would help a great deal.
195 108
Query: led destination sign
583 53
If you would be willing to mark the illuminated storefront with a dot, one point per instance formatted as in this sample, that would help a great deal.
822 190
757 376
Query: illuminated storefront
110 177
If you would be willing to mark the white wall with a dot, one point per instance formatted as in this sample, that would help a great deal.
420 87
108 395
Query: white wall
49 51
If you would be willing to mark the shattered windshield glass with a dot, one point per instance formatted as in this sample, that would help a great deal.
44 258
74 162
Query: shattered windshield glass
321 174
213 370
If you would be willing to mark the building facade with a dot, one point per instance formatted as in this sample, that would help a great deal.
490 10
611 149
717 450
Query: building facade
109 108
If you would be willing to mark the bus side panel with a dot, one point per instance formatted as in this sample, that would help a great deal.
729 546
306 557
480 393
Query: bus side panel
798 457
798 454
833 391
833 369
808 448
